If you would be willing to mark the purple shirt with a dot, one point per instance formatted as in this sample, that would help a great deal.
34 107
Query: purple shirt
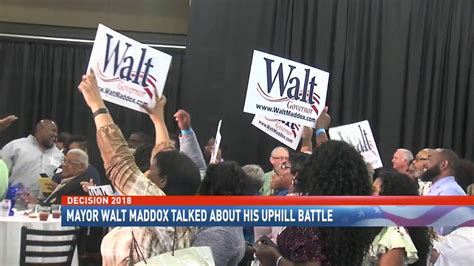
446 186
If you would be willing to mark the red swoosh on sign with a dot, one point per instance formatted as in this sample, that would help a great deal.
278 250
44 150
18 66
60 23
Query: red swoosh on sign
103 77
268 97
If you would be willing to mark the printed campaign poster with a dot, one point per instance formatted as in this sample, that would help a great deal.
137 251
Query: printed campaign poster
360 136
217 143
105 190
128 73
286 132
284 89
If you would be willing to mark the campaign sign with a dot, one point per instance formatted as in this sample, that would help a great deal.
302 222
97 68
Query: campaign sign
217 143
285 132
284 89
105 190
128 73
360 136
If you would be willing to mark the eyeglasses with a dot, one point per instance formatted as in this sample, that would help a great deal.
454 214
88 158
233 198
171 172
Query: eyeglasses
421 159
281 158
71 162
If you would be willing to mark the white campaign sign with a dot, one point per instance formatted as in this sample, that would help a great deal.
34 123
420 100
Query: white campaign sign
217 143
284 89
100 190
286 132
360 136
128 73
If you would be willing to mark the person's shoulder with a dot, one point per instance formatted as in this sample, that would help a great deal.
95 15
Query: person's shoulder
20 141
450 188
15 146
269 173
396 237
92 169
396 230
55 151
454 190
92 172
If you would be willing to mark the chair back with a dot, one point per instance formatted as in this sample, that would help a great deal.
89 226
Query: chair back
51 245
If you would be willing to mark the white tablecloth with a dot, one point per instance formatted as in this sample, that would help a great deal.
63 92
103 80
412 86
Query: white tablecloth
10 235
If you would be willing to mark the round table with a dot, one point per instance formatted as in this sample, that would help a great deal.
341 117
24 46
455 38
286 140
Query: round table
10 236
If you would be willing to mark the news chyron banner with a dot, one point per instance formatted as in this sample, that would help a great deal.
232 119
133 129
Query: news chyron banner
360 136
128 73
446 211
286 132
284 89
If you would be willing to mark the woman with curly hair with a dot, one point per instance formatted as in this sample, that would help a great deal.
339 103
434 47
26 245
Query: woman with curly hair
334 169
227 243
398 245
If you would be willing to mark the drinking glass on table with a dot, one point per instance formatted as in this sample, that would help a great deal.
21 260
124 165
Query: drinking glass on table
44 212
56 210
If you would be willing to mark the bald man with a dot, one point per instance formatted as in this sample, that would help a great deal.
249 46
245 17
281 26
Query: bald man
26 158
440 171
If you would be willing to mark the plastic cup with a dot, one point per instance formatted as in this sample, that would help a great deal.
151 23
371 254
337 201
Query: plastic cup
43 212
56 210
5 208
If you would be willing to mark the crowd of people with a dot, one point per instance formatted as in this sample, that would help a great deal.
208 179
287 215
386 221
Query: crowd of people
142 166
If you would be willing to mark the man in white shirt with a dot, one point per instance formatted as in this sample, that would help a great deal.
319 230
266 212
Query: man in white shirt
29 157
455 248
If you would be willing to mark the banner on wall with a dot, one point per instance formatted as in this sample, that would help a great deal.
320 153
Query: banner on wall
285 132
284 89
128 73
360 136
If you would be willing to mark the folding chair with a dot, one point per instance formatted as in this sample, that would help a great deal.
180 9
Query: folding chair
67 246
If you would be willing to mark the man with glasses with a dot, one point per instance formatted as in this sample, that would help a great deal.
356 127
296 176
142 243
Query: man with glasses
417 167
74 172
278 158
77 142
